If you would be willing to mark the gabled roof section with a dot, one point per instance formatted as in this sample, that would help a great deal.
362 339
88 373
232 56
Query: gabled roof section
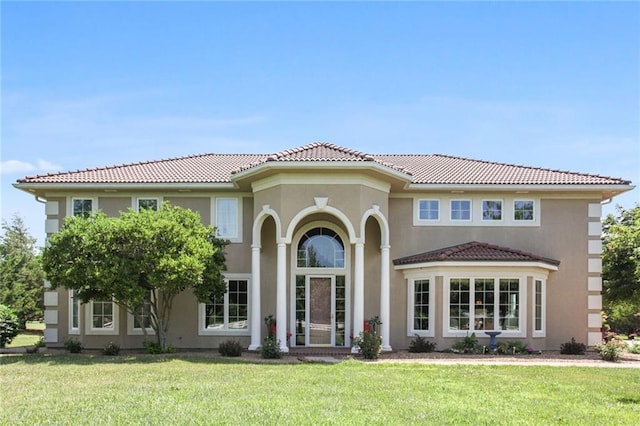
322 152
474 252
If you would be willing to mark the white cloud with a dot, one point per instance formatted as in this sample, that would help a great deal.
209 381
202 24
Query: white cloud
17 166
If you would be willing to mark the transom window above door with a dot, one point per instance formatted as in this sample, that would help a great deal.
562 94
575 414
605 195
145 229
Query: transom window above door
320 248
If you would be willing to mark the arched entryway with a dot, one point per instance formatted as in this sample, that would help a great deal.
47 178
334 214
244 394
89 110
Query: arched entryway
320 286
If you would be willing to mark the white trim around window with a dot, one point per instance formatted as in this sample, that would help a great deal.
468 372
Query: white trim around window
74 313
474 281
539 314
492 210
427 210
106 313
528 215
137 200
73 201
417 301
226 214
233 319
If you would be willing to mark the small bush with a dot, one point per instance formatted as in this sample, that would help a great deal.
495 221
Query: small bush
36 346
468 345
512 348
633 349
573 348
73 346
368 344
271 348
421 345
611 350
230 348
9 325
152 347
112 349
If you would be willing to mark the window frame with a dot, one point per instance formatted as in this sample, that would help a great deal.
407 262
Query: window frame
137 331
236 237
482 209
202 311
411 283
136 202
542 332
533 210
496 276
461 200
72 200
90 329
73 301
419 209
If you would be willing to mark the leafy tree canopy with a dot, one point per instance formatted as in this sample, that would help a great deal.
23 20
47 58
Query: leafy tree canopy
148 255
21 275
621 257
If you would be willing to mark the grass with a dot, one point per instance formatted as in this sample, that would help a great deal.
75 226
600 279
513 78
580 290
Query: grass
67 389
30 336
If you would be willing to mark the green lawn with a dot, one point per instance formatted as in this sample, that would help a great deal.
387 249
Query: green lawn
67 389
30 337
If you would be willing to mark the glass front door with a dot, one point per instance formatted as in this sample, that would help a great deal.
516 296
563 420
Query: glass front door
320 312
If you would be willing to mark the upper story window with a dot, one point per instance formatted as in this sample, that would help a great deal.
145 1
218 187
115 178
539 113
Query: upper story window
148 203
228 218
491 209
523 210
429 209
82 207
320 248
460 209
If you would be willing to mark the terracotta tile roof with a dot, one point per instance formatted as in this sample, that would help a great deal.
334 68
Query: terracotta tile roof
419 169
474 251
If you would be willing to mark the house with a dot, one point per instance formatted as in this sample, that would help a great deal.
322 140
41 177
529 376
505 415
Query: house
324 238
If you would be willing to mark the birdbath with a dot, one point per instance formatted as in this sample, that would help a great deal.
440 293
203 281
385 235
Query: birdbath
493 342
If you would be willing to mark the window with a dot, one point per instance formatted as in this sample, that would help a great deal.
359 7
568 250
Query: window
538 309
429 209
229 313
227 218
320 248
74 313
460 209
82 207
141 318
420 312
491 210
102 318
478 304
523 210
148 203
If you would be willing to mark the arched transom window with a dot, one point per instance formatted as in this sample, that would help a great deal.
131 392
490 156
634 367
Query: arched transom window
320 248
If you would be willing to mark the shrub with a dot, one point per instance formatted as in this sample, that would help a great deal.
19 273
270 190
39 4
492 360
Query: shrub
152 347
36 346
633 349
271 348
111 348
611 350
512 348
73 346
573 348
369 343
9 325
421 345
468 345
230 348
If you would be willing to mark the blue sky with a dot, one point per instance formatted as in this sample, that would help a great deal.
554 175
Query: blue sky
545 84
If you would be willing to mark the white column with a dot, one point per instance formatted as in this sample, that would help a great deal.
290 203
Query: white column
281 297
358 291
256 323
385 301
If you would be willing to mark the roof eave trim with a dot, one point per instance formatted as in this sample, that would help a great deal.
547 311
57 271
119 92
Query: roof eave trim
476 264
618 188
33 186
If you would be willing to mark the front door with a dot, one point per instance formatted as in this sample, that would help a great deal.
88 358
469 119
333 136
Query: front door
320 312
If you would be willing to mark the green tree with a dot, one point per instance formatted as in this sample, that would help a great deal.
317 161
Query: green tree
621 270
9 325
152 255
621 256
21 275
